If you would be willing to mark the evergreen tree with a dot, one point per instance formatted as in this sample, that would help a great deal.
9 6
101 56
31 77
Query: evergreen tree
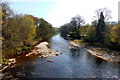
100 29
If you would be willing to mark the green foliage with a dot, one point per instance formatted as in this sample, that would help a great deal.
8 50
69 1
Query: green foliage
68 31
65 30
115 34
107 39
29 27
5 12
71 29
44 29
56 30
4 62
25 47
20 32
100 29
98 33
83 30
16 31
91 34
96 50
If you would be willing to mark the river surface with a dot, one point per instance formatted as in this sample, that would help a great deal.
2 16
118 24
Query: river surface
76 63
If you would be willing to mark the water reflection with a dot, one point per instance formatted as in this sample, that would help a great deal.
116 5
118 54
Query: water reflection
75 52
98 61
75 63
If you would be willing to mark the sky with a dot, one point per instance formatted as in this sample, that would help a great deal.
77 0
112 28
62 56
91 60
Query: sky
59 12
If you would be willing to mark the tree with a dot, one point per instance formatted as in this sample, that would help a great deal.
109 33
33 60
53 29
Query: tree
94 23
5 12
83 30
18 32
77 21
106 12
44 29
107 39
115 34
71 29
100 29
91 34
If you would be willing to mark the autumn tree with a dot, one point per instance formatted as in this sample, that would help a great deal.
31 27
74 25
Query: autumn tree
18 32
91 34
84 29
5 12
115 34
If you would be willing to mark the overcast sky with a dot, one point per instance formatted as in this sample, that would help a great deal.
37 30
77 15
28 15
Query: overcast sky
59 12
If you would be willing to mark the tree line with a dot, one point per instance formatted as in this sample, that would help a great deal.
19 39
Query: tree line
98 33
21 32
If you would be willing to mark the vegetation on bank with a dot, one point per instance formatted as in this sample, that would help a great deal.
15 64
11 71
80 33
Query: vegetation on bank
99 33
105 54
21 32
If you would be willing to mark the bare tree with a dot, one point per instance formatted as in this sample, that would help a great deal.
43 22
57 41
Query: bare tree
106 12
77 21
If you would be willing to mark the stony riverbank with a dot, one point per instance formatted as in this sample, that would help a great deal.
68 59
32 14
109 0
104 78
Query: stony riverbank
106 54
40 50
103 53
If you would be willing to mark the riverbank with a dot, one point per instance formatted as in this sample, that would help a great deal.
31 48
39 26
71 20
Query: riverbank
78 62
76 43
103 53
40 50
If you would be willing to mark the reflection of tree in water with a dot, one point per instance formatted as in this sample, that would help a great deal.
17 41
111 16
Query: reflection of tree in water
75 52
98 61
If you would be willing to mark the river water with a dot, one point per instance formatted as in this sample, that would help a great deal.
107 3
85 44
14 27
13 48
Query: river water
76 63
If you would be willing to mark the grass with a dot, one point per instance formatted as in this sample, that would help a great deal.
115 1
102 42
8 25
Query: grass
25 48
96 50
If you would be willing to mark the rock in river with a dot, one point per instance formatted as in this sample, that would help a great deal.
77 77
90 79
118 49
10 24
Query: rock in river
51 61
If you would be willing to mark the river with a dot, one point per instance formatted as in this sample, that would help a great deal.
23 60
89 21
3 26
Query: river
77 63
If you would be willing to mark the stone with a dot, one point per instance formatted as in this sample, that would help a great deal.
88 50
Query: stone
12 60
51 61
57 54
